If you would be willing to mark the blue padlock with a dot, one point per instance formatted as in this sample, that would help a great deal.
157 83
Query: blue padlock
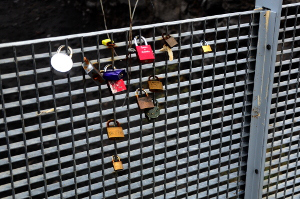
115 74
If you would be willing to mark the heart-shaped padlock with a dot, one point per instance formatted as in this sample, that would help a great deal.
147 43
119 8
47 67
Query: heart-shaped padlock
61 62
153 112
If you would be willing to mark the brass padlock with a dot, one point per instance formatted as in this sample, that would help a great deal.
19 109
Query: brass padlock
144 102
205 47
117 164
155 85
170 41
114 132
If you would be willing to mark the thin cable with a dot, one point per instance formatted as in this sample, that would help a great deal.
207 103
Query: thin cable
104 18
131 15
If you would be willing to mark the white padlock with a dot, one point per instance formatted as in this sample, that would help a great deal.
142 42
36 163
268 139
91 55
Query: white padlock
61 62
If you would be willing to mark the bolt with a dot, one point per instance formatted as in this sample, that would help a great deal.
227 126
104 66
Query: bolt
256 171
269 47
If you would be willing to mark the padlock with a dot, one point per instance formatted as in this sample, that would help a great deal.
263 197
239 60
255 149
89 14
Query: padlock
117 164
92 71
205 47
116 86
144 102
114 74
108 42
170 41
144 52
155 85
114 132
61 62
153 112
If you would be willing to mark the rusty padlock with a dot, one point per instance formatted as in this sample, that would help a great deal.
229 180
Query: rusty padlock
92 71
114 132
144 52
170 41
155 85
205 47
143 102
117 164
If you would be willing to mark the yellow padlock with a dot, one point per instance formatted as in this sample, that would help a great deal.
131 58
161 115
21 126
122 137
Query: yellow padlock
108 42
117 165
205 47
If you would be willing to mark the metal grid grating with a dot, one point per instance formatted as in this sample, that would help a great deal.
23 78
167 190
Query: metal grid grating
282 170
196 148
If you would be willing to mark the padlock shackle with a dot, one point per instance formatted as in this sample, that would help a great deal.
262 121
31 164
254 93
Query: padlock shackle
143 38
109 121
153 77
113 158
137 94
165 36
203 42
109 65
70 49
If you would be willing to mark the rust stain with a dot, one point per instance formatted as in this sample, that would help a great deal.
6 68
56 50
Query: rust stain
256 112
267 15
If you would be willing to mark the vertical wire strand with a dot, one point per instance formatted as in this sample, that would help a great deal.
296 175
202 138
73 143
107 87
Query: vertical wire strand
86 122
40 119
153 123
244 109
221 136
72 128
233 105
23 128
141 125
56 125
178 106
115 119
166 125
189 107
200 123
224 81
277 99
128 65
101 122
9 156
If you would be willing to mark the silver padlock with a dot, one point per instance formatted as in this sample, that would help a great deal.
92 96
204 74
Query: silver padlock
62 63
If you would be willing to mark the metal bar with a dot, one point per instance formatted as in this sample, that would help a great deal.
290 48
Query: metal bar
72 129
56 126
86 121
23 124
40 119
262 94
100 126
178 110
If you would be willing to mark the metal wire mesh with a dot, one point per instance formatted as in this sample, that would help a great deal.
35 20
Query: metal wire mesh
282 163
196 148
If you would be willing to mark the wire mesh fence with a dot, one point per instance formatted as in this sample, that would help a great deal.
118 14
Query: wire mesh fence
53 133
282 162
197 147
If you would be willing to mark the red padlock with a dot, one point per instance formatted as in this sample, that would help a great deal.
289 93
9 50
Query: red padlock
144 52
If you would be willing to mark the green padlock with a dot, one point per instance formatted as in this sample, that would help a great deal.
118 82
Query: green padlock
153 112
